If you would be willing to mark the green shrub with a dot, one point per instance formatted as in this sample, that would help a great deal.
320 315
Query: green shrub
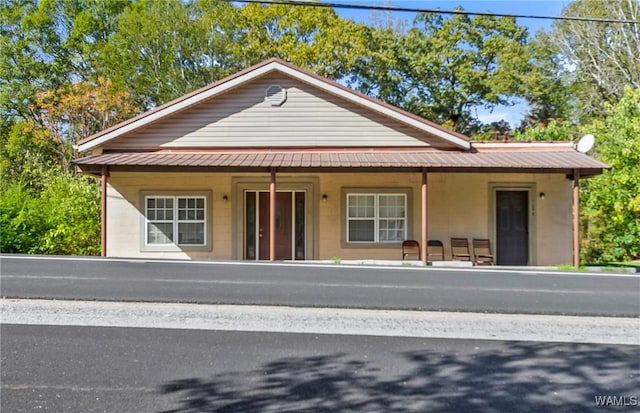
63 219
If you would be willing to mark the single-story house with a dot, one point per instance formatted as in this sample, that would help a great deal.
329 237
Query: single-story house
277 163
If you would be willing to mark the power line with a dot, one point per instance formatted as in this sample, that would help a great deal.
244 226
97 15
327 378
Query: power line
421 10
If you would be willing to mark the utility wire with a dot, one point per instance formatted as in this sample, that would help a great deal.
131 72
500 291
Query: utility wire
421 10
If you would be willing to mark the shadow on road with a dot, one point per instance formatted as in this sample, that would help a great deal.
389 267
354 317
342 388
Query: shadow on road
517 377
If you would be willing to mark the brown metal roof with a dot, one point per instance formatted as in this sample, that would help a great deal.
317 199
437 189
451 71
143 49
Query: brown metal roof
520 160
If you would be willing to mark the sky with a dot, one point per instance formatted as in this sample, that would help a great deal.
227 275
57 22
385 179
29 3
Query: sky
513 114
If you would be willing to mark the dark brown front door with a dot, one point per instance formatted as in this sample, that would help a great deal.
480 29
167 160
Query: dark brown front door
283 226
512 227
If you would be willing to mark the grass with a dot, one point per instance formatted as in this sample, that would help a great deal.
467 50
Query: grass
569 267
604 266
626 264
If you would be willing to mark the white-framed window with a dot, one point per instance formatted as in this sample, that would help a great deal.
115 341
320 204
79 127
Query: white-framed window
376 217
175 220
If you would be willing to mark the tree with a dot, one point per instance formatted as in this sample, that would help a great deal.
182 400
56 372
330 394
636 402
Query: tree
547 90
47 44
611 202
550 131
161 50
601 58
500 130
442 68
313 38
75 111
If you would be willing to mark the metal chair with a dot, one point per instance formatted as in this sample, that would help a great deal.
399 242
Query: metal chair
411 247
435 250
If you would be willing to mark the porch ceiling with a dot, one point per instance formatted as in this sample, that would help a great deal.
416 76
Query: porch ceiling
516 161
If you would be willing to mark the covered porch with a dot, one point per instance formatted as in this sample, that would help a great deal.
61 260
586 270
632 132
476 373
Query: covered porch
445 194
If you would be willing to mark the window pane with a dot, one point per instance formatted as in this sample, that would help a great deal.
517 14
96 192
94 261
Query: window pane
191 209
361 206
159 209
160 233
391 230
392 206
191 233
299 225
361 230
250 230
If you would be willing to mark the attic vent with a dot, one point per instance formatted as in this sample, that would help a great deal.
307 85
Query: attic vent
276 95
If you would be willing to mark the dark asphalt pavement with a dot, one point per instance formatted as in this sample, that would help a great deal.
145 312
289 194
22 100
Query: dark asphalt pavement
477 290
51 369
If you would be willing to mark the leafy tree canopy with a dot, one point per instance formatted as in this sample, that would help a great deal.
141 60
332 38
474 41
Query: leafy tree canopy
600 59
444 67
612 201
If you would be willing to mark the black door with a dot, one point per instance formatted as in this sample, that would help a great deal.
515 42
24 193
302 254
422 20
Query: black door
512 227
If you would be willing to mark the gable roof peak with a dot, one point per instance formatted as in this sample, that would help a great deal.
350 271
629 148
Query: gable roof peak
275 63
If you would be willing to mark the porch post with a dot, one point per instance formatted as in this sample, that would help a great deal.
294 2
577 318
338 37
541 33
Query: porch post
272 216
103 210
425 219
576 218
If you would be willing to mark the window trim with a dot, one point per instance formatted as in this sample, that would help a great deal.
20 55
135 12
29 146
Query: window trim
407 192
175 246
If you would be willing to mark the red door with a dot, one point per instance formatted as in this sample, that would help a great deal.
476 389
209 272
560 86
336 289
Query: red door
283 226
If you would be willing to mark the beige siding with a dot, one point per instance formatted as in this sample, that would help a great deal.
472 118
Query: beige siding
242 118
459 205
125 211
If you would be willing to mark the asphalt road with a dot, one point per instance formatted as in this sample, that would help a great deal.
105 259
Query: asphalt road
90 369
475 290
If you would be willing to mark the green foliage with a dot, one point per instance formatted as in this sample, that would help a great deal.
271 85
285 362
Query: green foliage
553 131
601 59
611 202
493 131
26 155
547 86
161 50
443 68
315 38
60 219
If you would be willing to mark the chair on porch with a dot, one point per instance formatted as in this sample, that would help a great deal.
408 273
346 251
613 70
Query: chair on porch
411 248
460 249
482 252
435 250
